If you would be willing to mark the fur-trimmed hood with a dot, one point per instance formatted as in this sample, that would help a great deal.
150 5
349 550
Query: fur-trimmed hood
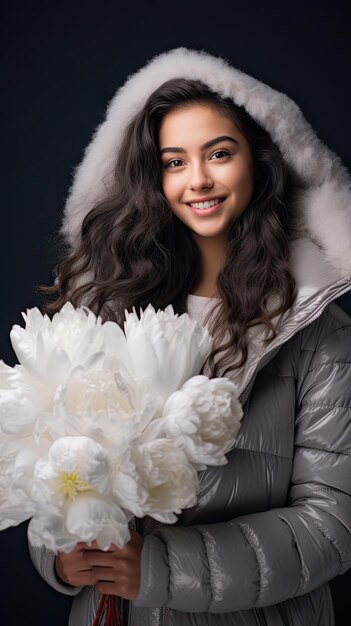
325 197
321 249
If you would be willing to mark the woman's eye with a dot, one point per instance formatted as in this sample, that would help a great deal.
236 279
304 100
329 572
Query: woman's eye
223 152
171 163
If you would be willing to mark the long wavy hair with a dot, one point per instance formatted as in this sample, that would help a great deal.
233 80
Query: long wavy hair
133 250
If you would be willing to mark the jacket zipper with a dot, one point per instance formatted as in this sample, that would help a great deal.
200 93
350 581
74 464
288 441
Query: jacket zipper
306 323
160 616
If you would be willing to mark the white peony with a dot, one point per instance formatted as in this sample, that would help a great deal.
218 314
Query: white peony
69 456
79 376
66 369
91 404
89 517
15 505
17 461
165 347
72 493
127 486
22 399
50 349
97 424
170 481
203 417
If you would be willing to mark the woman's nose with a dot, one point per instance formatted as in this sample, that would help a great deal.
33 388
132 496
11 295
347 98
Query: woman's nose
199 177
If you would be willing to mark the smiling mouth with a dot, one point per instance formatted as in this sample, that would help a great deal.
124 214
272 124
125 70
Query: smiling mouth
206 210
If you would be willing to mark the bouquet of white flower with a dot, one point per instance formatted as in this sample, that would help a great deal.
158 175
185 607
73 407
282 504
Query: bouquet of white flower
98 425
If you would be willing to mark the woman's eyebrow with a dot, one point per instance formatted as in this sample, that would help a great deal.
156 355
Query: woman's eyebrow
208 144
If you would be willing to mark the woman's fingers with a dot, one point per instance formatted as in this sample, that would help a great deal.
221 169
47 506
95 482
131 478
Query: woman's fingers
78 579
118 570
125 585
105 574
96 558
115 571
72 567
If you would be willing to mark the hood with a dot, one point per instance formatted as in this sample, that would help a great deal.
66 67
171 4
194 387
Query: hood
320 251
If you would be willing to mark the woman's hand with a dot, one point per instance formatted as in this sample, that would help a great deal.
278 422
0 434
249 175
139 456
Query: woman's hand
72 567
116 571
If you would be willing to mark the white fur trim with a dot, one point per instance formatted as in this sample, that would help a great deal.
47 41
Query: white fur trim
324 203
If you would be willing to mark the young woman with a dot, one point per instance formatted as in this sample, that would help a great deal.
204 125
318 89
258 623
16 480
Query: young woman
206 189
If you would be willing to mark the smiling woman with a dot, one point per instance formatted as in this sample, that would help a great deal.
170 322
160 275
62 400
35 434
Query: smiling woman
218 173
208 190
169 249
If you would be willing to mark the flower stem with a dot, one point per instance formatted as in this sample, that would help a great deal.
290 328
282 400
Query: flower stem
109 608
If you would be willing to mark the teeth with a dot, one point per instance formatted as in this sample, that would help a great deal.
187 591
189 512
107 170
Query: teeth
205 205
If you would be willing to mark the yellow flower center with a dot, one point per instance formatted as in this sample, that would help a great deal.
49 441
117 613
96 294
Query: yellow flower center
71 485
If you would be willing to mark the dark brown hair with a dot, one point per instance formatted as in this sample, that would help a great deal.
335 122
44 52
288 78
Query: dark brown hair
133 250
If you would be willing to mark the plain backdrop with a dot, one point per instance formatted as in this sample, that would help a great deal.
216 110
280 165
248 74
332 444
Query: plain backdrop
62 63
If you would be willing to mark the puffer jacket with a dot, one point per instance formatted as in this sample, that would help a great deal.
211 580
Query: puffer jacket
273 526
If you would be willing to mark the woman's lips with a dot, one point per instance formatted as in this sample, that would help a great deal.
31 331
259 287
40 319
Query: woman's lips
205 212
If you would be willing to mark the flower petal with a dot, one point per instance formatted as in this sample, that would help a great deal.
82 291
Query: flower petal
204 417
92 518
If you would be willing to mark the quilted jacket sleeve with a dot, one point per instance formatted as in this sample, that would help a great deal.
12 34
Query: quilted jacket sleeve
44 560
264 558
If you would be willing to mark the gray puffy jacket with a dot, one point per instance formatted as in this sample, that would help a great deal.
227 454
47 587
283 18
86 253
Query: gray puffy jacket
273 525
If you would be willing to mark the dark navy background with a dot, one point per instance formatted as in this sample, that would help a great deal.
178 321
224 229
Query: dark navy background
63 63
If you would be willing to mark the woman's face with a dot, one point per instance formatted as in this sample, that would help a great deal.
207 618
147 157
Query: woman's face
205 158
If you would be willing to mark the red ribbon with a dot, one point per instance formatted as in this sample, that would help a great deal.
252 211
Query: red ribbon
109 612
